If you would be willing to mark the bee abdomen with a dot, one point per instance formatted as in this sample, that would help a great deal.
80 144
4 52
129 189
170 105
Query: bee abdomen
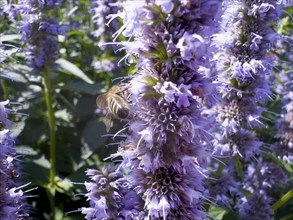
118 107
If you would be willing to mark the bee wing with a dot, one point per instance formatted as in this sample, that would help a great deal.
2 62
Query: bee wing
101 101
108 122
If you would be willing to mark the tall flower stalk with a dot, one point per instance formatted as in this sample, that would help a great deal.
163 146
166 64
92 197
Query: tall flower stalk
51 122
244 73
39 32
164 154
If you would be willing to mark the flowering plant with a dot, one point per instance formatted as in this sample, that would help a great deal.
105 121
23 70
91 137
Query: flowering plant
205 91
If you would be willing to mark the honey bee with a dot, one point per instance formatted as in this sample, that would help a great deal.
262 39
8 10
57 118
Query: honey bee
114 101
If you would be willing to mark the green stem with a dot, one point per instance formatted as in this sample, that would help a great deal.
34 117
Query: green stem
219 171
282 200
4 88
51 122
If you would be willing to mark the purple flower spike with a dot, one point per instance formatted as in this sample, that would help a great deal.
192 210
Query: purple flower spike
12 200
243 68
110 196
244 73
164 156
38 31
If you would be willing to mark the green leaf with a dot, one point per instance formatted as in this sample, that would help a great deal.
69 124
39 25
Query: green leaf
285 198
238 165
288 9
16 76
91 137
288 167
150 81
79 177
231 216
83 87
17 128
217 213
64 186
72 11
74 70
36 171
63 115
18 72
86 105
9 37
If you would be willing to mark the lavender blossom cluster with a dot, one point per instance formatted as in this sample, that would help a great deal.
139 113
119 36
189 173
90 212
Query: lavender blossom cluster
101 10
12 199
283 148
259 180
244 72
38 31
245 79
165 154
110 196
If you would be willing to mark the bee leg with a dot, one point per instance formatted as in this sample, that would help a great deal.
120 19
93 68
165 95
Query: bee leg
108 121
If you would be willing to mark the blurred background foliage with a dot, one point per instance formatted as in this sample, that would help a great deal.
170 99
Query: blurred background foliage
82 140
